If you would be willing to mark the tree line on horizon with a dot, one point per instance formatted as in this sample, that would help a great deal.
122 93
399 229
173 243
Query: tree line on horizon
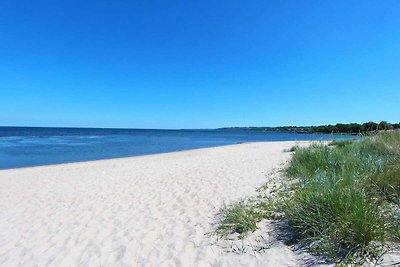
349 128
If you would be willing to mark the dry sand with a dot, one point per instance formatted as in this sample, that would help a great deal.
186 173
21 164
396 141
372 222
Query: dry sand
156 210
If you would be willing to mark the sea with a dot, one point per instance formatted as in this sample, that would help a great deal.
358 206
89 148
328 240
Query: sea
36 146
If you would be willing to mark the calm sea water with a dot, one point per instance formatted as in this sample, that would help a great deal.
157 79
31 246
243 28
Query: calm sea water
27 146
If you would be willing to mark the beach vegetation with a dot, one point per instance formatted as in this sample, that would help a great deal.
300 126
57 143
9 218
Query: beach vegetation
341 199
339 128
241 218
341 143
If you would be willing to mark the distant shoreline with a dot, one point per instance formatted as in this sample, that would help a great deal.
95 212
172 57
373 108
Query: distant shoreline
294 132
368 128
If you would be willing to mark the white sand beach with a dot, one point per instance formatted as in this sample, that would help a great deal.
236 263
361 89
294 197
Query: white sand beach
156 210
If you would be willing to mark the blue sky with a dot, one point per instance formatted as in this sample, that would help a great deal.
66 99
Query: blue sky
198 64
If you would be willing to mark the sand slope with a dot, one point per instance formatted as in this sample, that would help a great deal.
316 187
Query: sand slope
155 210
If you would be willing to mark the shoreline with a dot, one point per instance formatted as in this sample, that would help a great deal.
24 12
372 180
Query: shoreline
146 210
162 153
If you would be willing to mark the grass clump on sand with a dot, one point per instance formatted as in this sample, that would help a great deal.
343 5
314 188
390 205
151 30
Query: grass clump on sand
241 217
343 199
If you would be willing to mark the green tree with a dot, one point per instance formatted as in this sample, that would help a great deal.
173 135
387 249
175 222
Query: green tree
383 125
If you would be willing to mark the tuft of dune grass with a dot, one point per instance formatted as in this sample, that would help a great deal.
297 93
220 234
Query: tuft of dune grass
241 217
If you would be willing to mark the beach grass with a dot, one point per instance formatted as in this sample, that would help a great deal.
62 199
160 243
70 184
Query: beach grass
341 199
341 143
241 217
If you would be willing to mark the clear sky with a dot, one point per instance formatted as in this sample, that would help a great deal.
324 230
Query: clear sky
198 64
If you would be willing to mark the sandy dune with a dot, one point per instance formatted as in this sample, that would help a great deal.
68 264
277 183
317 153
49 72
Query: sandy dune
155 210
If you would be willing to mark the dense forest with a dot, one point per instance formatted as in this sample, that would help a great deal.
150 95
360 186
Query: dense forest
350 128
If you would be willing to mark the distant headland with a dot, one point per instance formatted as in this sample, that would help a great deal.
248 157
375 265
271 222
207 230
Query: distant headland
339 128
